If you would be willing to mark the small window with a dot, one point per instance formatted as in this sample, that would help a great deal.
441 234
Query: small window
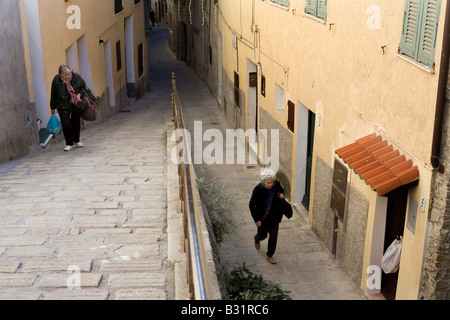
284 3
317 8
291 116
118 6
236 89
141 60
118 56
210 55
263 86
420 25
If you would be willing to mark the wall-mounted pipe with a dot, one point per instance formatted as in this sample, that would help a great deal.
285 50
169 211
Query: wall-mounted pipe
442 90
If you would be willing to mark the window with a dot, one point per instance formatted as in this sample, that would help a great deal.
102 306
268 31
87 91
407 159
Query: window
118 6
291 116
420 24
141 60
284 3
317 8
263 85
118 56
236 89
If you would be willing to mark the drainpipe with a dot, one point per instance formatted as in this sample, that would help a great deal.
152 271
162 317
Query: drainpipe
442 90
254 29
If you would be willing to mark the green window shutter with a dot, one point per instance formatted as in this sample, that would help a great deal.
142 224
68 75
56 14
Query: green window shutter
322 9
411 28
311 7
428 34
284 3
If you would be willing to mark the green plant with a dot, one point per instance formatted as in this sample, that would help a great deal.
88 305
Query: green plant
219 203
243 284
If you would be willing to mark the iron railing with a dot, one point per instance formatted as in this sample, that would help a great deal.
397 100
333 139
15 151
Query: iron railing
201 274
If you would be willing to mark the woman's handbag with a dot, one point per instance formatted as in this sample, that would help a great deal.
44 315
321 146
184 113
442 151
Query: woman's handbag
90 112
286 208
81 106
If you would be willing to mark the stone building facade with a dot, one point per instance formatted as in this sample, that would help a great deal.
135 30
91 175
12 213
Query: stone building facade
437 263
18 121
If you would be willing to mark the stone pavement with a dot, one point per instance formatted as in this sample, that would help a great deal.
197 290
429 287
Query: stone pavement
90 223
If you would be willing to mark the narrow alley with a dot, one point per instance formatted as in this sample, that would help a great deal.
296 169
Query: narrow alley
99 212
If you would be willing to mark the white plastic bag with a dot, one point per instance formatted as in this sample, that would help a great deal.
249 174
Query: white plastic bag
391 258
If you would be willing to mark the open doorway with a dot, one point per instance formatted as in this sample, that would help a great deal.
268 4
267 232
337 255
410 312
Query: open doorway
252 107
306 121
395 224
129 58
109 74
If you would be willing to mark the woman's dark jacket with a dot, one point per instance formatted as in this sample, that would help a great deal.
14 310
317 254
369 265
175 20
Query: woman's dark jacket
257 204
60 96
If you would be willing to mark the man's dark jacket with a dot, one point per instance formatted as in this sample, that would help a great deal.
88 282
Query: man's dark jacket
257 204
60 96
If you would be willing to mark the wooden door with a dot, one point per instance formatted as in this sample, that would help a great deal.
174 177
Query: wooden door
395 224
309 158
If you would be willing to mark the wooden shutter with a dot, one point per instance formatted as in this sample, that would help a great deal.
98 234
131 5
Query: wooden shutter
428 34
291 116
284 3
322 9
118 6
411 27
311 7
236 89
118 56
141 59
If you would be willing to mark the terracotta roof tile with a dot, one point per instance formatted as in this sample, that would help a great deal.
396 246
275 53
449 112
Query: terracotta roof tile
375 161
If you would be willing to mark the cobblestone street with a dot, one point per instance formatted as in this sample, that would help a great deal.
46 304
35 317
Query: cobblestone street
98 212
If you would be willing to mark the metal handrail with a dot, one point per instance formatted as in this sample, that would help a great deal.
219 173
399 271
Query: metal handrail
198 273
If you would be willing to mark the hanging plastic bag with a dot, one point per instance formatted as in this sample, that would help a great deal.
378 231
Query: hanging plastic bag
391 258
54 125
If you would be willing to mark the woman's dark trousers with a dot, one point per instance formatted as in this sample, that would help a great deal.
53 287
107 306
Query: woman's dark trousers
71 126
272 230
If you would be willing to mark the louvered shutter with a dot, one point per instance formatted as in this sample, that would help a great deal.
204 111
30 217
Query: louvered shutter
428 32
284 3
322 9
311 7
411 28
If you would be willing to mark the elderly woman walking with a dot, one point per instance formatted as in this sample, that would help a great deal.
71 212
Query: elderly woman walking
67 91
265 207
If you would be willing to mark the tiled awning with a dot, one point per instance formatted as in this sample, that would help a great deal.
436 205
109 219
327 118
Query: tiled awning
375 161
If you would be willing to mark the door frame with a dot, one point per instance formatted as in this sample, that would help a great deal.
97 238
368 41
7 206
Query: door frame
309 158
301 150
